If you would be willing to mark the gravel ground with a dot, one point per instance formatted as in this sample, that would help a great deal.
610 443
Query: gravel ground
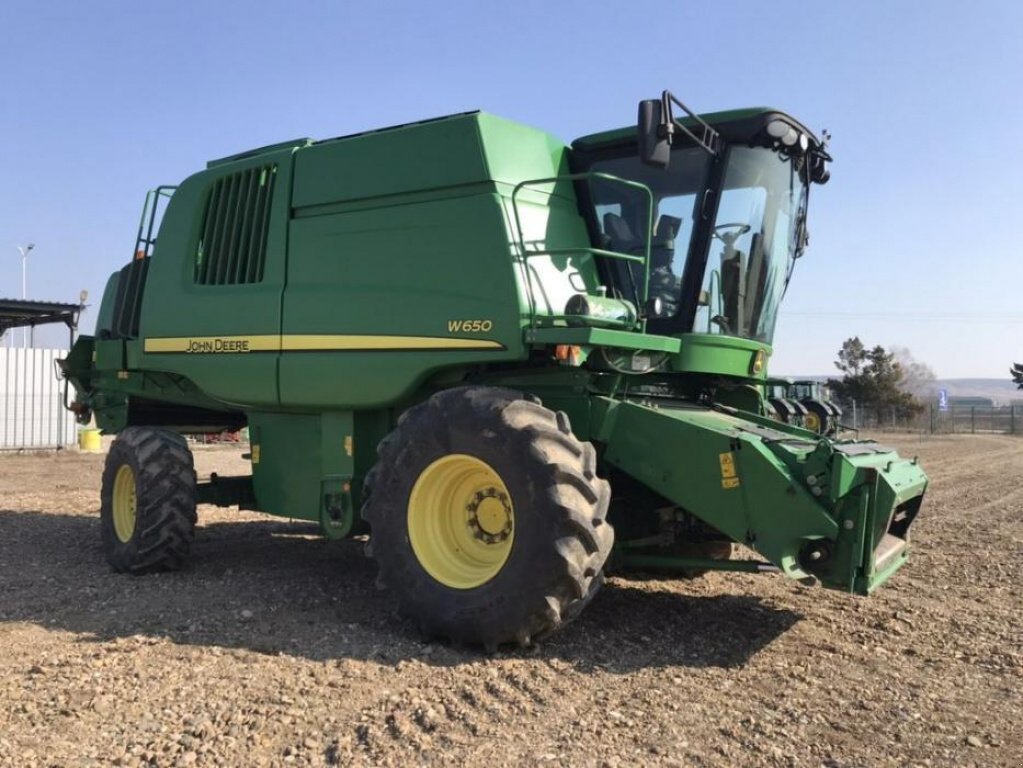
275 648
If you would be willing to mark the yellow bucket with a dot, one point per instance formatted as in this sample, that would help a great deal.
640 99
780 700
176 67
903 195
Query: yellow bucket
89 440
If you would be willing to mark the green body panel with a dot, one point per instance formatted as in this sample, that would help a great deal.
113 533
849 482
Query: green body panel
762 495
180 308
104 320
603 337
408 260
687 469
386 271
298 489
720 355
312 466
375 228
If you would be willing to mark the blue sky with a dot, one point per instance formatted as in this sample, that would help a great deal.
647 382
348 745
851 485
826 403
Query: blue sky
914 241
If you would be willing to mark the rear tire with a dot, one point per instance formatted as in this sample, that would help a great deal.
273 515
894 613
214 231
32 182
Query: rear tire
147 510
488 519
817 418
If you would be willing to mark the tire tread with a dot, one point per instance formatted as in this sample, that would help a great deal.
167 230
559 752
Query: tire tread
567 468
166 506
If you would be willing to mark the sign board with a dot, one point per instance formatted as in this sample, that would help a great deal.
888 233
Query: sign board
942 399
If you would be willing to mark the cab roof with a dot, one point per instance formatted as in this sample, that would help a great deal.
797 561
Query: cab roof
733 125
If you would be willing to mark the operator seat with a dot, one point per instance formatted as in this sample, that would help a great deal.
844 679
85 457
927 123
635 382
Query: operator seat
664 284
619 237
619 234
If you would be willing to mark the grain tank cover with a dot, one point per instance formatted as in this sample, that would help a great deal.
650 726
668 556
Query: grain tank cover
456 151
293 144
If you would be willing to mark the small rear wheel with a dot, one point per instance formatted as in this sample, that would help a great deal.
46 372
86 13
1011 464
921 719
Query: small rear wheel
147 509
817 418
487 518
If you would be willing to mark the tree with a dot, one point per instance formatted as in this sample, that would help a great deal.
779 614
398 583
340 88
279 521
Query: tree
875 380
1017 374
851 357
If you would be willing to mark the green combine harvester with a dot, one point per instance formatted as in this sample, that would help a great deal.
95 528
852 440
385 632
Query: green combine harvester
806 403
823 415
781 405
507 359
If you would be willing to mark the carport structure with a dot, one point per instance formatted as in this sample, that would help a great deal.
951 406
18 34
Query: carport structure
19 313
32 413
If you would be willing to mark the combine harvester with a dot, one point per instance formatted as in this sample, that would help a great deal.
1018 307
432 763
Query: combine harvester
822 413
783 406
506 358
805 403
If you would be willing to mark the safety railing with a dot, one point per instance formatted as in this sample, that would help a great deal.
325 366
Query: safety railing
149 221
641 292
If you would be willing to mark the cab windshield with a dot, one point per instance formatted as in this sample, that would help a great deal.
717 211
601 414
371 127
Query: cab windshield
755 239
725 276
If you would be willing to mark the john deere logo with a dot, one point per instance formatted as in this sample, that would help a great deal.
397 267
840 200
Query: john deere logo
218 345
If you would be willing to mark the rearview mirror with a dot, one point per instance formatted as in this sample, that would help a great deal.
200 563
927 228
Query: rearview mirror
654 148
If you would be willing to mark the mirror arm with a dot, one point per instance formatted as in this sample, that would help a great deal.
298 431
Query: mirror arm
709 140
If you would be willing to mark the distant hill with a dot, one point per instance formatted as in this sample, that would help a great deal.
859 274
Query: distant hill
1001 391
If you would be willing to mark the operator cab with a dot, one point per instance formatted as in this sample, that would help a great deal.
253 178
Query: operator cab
729 194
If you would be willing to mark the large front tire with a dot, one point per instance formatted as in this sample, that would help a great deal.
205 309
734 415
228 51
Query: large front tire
488 520
147 510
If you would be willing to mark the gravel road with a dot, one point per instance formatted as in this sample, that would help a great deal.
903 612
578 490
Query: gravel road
274 648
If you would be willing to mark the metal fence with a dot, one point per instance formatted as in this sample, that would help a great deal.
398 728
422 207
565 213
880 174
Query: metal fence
957 419
32 414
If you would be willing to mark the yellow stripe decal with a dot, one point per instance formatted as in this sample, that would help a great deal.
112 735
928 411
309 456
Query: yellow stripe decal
302 343
309 343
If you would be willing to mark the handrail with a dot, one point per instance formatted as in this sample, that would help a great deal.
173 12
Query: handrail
526 254
144 245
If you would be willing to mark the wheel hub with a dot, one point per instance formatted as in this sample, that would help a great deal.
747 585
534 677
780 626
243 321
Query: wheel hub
461 521
490 515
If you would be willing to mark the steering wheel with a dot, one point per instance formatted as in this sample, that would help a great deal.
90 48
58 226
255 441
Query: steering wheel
728 238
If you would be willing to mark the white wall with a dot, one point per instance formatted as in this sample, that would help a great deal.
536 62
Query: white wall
32 413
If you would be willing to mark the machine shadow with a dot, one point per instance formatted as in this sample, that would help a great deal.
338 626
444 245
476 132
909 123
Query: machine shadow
633 625
275 588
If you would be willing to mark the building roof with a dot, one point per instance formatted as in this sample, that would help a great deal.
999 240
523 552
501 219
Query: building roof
19 313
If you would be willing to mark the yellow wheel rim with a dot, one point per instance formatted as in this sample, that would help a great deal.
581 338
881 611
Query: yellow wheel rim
812 422
461 522
124 503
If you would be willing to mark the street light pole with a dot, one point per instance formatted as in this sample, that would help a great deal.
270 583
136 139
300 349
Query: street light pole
24 251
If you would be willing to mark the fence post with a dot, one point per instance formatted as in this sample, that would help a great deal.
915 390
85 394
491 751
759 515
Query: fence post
973 419
932 418
1012 419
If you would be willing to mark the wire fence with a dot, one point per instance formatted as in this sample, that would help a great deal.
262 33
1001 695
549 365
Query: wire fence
956 419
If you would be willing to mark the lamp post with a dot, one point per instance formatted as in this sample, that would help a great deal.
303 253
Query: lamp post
24 251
